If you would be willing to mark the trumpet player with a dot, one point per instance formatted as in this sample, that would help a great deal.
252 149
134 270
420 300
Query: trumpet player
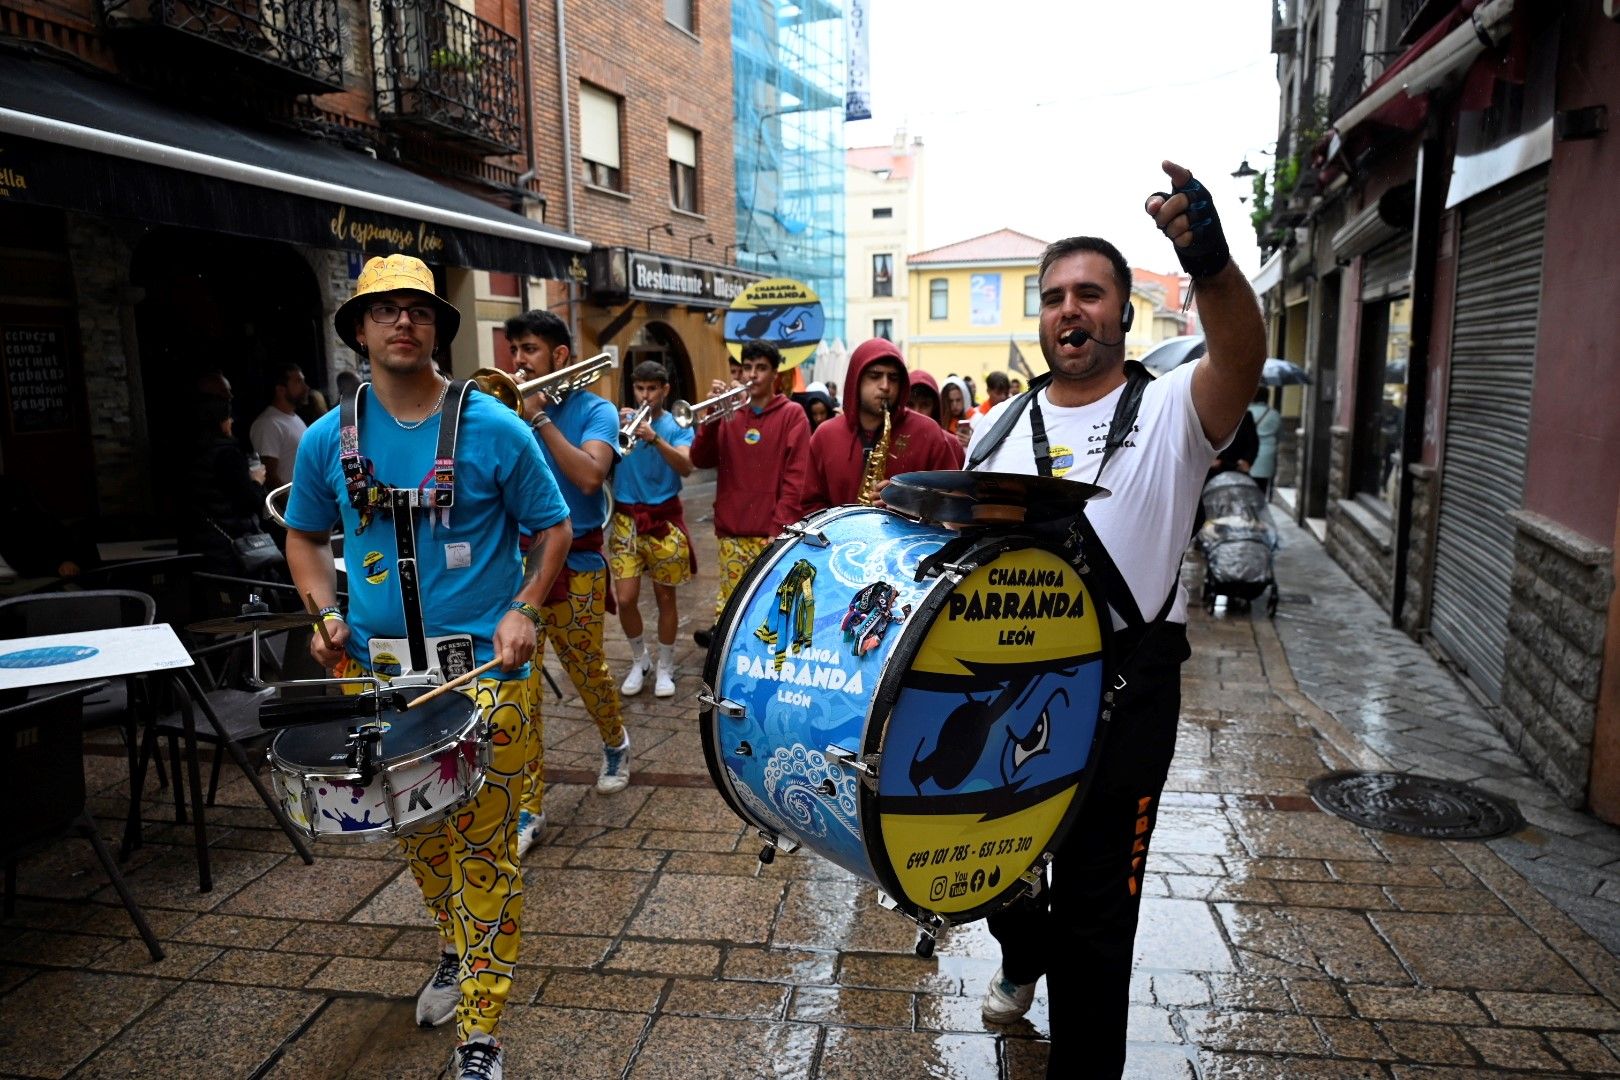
841 450
647 534
579 438
761 454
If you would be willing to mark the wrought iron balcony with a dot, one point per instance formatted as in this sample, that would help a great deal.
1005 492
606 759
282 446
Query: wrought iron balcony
443 70
291 42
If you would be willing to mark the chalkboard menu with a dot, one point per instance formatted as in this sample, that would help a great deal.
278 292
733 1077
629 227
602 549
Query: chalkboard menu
36 378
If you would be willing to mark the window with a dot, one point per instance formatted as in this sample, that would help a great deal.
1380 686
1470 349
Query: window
599 137
938 298
883 328
1032 295
683 159
883 274
883 211
1381 401
679 12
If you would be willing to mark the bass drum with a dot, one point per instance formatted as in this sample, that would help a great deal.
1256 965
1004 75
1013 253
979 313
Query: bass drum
923 707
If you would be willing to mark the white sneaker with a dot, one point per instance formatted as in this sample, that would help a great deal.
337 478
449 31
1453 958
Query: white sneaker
479 1058
664 686
639 667
530 826
438 1000
1006 1001
615 774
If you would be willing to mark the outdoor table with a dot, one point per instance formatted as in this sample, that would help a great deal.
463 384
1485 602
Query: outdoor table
138 650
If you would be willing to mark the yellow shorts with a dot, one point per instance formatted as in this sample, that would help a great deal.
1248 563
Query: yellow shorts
668 558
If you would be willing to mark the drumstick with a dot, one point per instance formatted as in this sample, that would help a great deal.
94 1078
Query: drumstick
460 680
320 620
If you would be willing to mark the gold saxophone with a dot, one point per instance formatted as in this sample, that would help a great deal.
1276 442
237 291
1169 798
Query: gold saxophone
875 464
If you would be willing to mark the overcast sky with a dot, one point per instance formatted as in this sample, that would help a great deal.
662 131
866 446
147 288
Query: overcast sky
1051 117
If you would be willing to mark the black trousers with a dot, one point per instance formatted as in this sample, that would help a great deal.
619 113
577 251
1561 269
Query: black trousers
1080 932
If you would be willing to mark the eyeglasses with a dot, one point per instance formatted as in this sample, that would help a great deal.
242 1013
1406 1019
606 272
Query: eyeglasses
386 314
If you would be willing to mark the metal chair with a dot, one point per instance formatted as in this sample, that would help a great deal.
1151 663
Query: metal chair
123 703
42 792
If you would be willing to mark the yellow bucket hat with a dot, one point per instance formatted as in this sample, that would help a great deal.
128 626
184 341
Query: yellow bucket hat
392 274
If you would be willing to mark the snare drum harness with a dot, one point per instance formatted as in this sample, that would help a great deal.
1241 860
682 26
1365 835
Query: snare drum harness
1116 589
368 498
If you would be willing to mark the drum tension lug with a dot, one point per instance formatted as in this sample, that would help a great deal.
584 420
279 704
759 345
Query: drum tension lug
724 706
925 944
809 536
767 854
864 766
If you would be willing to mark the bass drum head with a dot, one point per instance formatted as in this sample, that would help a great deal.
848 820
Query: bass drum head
992 727
325 747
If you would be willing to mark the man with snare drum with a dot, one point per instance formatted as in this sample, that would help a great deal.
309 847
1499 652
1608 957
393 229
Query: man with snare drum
1098 419
432 483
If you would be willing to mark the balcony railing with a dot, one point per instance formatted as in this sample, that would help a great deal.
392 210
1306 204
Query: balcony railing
445 71
295 42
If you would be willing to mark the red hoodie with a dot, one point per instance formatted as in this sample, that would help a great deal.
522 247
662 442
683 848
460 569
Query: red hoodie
922 378
762 459
838 452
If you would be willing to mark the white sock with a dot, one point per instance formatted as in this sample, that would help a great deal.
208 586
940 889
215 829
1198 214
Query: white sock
638 648
666 656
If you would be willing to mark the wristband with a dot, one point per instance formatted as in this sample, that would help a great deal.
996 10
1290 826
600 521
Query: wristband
540 420
527 610
332 612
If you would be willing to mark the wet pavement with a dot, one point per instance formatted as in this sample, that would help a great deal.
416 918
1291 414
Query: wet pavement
1277 941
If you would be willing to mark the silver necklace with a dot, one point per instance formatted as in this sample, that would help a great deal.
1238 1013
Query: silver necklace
412 425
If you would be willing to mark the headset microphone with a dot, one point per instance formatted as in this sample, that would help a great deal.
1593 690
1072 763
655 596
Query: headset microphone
1076 338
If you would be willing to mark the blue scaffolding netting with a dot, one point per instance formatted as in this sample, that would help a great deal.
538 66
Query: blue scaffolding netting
788 81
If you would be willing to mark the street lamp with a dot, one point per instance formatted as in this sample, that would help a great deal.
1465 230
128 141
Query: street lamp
669 230
709 236
1245 169
725 255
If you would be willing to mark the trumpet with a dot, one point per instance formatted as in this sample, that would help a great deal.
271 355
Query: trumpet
557 385
710 409
627 434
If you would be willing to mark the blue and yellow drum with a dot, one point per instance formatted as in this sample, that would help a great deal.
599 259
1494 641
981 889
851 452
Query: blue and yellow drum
921 706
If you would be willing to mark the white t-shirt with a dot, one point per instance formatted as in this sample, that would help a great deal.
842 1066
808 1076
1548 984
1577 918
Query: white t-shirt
1154 479
276 434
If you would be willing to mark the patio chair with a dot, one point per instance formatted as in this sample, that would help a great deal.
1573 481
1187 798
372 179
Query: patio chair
42 792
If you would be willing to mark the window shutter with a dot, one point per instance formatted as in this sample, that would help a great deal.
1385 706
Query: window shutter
599 126
683 145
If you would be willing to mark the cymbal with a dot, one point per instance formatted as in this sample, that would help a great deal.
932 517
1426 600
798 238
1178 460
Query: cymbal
988 498
245 624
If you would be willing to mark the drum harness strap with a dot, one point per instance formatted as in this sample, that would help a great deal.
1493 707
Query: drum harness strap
1116 589
367 496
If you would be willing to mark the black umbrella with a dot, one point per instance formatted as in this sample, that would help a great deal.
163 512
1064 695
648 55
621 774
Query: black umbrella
1279 372
1171 353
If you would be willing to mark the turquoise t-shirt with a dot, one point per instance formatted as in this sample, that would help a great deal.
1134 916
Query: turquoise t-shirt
581 417
470 568
644 476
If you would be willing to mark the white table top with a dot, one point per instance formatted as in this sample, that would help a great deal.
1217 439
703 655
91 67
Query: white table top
92 654
130 550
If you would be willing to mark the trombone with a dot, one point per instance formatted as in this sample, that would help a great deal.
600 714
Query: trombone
627 434
710 409
557 385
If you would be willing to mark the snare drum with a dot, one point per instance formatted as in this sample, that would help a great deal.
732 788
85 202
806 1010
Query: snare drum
424 765
923 707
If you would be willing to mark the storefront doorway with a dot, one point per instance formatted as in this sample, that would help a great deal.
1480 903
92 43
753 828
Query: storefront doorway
215 302
658 341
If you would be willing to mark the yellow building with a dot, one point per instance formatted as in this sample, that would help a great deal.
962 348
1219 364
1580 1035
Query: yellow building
969 300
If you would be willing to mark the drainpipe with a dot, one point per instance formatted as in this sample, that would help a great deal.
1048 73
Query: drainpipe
528 130
1427 208
568 160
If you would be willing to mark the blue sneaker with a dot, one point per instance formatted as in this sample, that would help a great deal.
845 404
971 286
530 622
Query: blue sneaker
615 774
528 831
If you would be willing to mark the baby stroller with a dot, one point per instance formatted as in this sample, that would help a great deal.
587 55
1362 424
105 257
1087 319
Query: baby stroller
1237 539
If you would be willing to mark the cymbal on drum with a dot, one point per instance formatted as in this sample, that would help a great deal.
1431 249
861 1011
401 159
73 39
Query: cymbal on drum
988 498
265 621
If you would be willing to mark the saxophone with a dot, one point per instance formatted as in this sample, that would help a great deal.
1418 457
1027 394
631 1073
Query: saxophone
875 464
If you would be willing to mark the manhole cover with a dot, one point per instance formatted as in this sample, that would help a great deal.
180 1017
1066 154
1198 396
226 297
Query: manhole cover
1415 805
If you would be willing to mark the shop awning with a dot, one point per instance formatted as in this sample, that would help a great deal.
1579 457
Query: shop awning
81 143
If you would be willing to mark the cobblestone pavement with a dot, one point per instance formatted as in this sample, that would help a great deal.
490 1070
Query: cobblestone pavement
1277 941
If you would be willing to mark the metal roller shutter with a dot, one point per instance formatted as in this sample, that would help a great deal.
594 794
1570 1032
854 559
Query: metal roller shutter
1493 352
1387 271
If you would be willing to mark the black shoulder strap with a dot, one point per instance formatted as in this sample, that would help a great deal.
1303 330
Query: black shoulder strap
1137 378
1006 422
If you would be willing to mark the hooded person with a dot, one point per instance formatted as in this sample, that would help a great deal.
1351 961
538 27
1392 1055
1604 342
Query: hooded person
925 400
817 405
876 382
955 408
